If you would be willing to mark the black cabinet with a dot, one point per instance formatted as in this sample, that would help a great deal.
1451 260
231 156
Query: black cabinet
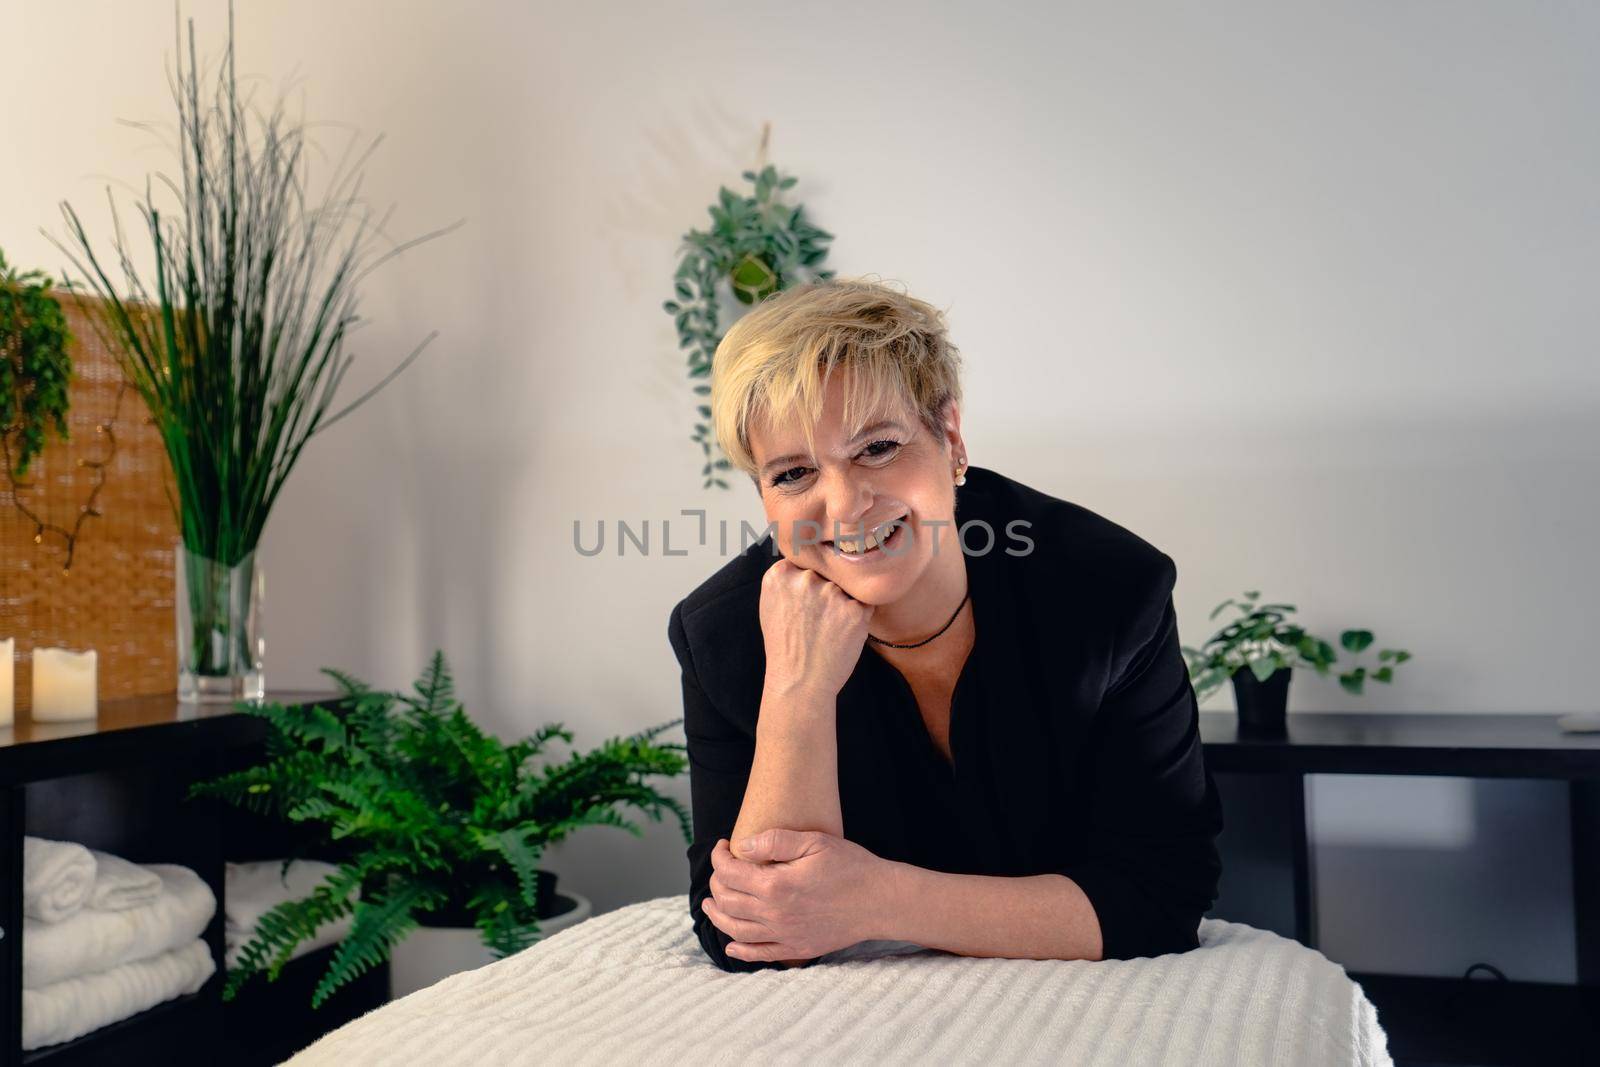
1268 878
118 783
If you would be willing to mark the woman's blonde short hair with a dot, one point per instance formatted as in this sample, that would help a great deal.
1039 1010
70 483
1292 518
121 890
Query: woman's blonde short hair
774 363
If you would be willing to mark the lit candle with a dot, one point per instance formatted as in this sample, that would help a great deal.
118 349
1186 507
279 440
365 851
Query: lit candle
8 649
63 685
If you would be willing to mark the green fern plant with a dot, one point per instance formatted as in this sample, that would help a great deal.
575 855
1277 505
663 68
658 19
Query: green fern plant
436 815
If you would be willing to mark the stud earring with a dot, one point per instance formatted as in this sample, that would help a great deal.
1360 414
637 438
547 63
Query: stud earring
961 474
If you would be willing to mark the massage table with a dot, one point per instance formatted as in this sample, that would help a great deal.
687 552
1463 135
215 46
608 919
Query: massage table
633 986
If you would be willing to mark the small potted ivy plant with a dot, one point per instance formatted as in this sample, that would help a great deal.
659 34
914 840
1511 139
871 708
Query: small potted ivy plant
1258 651
438 823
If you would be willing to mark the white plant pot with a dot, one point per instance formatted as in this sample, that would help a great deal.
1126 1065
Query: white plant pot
431 953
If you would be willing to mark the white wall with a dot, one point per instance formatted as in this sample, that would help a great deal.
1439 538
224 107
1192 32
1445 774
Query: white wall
1305 298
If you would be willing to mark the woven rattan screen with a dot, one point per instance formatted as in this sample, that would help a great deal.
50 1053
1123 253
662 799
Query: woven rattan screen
117 595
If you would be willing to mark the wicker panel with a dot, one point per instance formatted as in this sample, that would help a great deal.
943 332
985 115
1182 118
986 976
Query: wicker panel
117 595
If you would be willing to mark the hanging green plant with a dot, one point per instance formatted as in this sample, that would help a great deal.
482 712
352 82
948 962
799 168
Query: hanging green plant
35 369
757 246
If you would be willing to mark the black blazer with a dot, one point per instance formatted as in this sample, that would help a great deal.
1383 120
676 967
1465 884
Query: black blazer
1074 727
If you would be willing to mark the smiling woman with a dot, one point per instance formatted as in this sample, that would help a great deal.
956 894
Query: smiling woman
896 731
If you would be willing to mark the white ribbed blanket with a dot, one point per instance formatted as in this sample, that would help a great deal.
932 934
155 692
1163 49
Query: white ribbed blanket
633 986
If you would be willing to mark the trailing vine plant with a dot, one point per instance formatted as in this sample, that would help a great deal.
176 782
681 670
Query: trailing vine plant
35 376
757 245
35 369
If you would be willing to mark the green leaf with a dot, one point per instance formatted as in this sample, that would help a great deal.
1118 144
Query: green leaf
1264 668
1353 679
376 928
1355 640
436 688
1383 674
523 857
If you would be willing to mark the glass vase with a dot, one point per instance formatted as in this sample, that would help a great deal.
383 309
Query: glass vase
220 647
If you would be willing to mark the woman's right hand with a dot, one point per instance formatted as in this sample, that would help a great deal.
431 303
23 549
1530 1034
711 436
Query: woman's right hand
813 630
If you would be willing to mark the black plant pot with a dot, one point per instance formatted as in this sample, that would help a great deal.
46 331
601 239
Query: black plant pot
548 906
1263 706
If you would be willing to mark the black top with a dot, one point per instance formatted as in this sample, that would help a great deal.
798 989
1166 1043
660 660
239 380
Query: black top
1073 726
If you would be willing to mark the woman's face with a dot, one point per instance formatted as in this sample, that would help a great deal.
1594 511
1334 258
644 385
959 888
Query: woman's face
894 470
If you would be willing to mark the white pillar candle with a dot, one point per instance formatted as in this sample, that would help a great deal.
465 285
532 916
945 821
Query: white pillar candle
8 650
63 685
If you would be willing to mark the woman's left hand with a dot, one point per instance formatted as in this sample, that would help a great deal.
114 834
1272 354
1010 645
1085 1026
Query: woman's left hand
795 894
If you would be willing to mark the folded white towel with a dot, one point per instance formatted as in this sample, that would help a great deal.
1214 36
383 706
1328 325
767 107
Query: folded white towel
253 889
57 878
94 940
119 883
72 1007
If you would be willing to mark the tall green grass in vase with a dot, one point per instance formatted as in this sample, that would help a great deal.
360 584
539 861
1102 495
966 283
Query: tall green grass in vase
236 339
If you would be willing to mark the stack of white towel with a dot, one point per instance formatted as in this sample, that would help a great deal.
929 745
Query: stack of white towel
103 938
250 890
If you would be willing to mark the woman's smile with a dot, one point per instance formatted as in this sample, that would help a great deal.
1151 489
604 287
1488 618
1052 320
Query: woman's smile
890 547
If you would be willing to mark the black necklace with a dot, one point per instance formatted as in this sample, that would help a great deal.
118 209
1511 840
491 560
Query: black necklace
925 640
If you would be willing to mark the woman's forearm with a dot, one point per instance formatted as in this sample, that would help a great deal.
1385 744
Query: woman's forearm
1035 917
794 777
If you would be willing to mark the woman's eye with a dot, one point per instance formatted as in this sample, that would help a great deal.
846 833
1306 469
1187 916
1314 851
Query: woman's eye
873 451
782 478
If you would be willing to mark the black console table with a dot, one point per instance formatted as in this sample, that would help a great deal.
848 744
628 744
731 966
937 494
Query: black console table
1268 879
118 783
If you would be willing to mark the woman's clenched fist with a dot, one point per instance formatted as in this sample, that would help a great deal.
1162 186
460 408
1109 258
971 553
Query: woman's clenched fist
813 630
